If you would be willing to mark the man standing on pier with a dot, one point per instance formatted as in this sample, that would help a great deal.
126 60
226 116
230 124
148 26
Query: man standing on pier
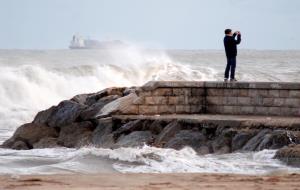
230 43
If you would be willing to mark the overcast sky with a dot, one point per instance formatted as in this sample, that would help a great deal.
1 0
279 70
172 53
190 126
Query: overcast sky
178 24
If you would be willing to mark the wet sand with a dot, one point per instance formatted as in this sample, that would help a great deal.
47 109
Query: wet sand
150 182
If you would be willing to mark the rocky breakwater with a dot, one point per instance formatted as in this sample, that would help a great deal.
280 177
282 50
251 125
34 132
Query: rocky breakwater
112 118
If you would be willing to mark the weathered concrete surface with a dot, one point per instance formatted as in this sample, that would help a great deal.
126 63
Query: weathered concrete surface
239 98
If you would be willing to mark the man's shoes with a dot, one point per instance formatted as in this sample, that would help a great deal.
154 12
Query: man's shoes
225 80
233 80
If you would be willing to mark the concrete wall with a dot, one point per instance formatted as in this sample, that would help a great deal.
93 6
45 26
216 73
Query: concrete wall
242 98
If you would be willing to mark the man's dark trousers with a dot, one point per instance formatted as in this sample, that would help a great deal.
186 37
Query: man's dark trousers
231 64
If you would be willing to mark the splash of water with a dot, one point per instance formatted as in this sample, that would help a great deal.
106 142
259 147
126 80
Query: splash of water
136 160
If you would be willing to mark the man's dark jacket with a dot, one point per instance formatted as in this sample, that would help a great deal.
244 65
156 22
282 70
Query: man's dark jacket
230 44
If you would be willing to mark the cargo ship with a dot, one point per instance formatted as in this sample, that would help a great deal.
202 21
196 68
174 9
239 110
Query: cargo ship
79 42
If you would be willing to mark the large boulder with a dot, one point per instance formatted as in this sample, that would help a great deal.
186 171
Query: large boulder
48 142
275 140
20 145
93 98
240 139
167 133
29 133
65 113
136 125
185 138
222 142
76 135
290 155
157 126
123 105
102 135
135 139
80 98
254 142
91 111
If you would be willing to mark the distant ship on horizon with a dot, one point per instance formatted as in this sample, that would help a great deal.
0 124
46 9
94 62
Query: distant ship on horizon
79 42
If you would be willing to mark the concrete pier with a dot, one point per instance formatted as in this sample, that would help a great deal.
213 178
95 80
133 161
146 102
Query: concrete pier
239 98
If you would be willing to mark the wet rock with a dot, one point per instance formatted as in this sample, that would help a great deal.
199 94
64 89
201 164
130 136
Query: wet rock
135 139
129 90
102 135
136 125
43 116
290 155
91 111
222 143
66 113
254 142
183 138
48 142
30 133
275 140
157 126
119 106
92 99
20 145
167 133
76 135
203 149
81 98
240 139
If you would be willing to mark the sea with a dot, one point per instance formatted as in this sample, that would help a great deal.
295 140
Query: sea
33 80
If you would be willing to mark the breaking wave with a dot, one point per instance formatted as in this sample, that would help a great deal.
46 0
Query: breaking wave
136 160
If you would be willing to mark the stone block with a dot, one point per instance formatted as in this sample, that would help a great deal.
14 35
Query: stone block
245 110
197 92
260 93
177 100
214 100
231 92
279 102
163 92
273 93
215 92
284 93
263 93
268 101
144 93
274 111
284 111
261 110
139 101
253 93
243 93
166 109
197 109
294 112
231 101
292 102
182 109
182 91
257 101
195 100
147 110
245 101
132 109
156 100
214 109
228 109
294 94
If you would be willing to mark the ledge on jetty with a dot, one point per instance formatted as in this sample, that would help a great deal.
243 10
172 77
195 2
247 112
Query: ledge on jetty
211 117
